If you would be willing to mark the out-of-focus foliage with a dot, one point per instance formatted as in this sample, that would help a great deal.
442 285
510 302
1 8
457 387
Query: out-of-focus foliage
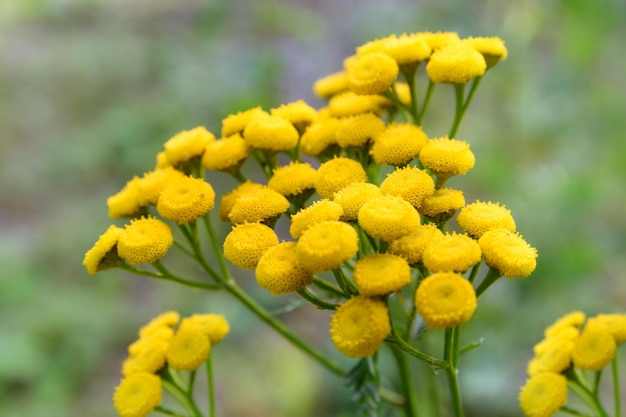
90 90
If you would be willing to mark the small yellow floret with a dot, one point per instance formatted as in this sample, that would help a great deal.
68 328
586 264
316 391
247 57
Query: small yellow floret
350 104
410 183
226 153
214 326
553 354
455 64
331 84
95 258
479 217
185 199
336 174
573 319
236 123
371 73
247 242
398 144
359 326
168 319
492 48
271 133
137 395
388 218
447 157
358 130
615 324
404 49
156 337
189 348
411 247
543 395
326 245
148 357
452 253
153 182
258 205
127 202
293 179
508 252
145 241
187 144
445 299
352 198
594 349
443 202
381 274
319 136
228 200
298 113
319 211
280 272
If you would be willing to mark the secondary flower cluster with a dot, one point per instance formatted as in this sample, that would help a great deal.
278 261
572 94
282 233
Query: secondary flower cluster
570 345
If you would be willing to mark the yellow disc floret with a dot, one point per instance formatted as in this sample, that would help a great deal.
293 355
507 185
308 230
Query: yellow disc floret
358 130
228 200
381 274
293 179
247 242
319 211
443 202
336 174
280 272
187 144
543 395
411 247
508 252
352 198
593 349
145 241
153 182
398 144
371 73
388 218
326 245
137 395
410 183
447 157
258 205
319 136
271 133
452 253
185 199
457 63
445 299
188 349
479 217
359 326
95 258
226 153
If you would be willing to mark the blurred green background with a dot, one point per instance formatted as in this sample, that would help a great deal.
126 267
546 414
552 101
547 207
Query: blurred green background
90 90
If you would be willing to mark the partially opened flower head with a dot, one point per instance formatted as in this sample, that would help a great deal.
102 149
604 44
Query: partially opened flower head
187 145
246 243
325 246
573 319
358 130
293 179
185 199
438 40
280 272
349 104
443 203
168 319
543 395
271 133
491 48
319 136
145 241
410 183
404 49
331 84
236 123
137 395
96 258
336 174
452 253
153 182
388 218
398 144
445 299
257 206
479 217
447 157
371 73
508 252
126 202
228 200
298 113
227 153
319 211
457 63
381 274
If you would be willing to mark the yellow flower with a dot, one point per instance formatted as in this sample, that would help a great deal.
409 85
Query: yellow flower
326 245
479 217
168 319
492 48
336 174
359 326
615 324
293 179
214 326
228 200
352 198
403 91
357 130
236 123
447 157
187 144
319 136
411 247
371 73
247 242
452 253
331 84
404 49
126 203
159 335
381 274
438 40
96 258
443 202
153 182
543 395
570 320
298 113
457 63
350 104
188 349
553 355
137 395
410 183
272 133
593 349
508 252
388 218
319 211
258 205
144 241
162 161
445 299
185 199
149 358
226 153
280 272
398 144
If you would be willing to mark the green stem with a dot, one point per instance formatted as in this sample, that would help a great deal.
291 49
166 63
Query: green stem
215 245
596 382
210 385
395 341
328 287
473 272
616 394
586 396
167 276
573 412
408 384
409 74
191 383
344 283
311 298
181 396
458 109
451 355
492 276
163 410
429 92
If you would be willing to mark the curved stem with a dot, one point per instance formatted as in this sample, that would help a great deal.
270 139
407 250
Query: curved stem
394 340
311 298
181 396
492 276
167 276
586 396
328 287
163 410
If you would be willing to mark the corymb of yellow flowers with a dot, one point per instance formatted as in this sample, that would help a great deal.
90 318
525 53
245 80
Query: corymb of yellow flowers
355 207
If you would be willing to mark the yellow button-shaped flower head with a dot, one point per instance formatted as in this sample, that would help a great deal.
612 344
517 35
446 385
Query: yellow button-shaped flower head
411 247
127 202
168 319
593 349
226 154
246 243
319 211
442 203
438 40
491 48
160 335
96 258
404 49
553 354
359 326
280 272
350 104
236 123
298 113
185 199
573 319
326 245
228 200
410 183
148 356
479 217
137 395
543 395
455 64
445 299
398 144
293 179
352 198
145 241
336 174
452 253
371 73
388 218
358 130
615 324
153 182
214 326
331 84
271 133
381 274
258 205
319 136
187 145
447 157
508 252
188 349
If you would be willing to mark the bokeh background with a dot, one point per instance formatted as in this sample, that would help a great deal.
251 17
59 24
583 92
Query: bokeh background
90 90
